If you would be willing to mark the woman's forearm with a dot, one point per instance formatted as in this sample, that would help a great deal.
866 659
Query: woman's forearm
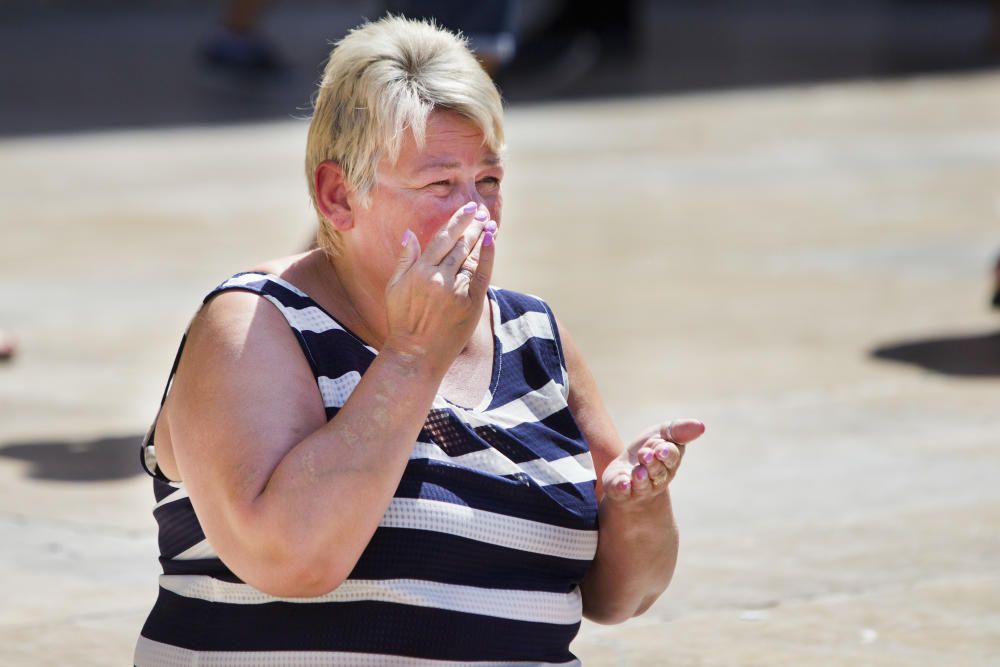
636 556
326 497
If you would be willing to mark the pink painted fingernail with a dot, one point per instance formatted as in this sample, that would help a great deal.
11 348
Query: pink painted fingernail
488 239
470 207
624 485
646 457
642 474
663 454
407 235
490 227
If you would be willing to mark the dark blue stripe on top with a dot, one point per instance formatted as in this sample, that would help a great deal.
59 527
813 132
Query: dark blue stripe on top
434 480
336 352
179 527
212 567
450 559
563 435
161 489
531 440
525 442
365 627
526 369
514 304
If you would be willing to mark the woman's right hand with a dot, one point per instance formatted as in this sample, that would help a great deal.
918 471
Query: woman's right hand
435 297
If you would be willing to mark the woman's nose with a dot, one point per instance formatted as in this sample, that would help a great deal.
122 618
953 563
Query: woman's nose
472 194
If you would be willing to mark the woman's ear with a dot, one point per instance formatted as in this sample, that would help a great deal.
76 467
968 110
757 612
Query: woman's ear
331 195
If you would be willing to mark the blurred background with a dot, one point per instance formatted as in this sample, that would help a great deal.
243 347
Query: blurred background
782 218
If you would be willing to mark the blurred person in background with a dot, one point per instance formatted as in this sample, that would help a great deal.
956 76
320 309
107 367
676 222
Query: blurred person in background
238 44
366 452
551 43
487 24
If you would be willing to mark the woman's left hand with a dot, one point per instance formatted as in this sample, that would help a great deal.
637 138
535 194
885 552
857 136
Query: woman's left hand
645 469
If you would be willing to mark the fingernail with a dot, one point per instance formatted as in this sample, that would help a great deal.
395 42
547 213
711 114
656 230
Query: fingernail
625 485
663 454
642 474
488 239
482 215
407 235
470 207
491 227
646 457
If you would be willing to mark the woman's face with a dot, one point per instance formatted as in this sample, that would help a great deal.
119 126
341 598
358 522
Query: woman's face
425 187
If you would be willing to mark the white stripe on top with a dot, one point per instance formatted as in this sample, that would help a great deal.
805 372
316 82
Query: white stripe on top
199 551
490 528
531 407
516 332
337 390
514 605
573 469
149 653
309 318
179 494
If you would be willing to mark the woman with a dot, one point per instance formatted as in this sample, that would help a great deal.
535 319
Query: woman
384 460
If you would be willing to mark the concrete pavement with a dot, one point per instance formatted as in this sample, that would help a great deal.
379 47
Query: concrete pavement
758 259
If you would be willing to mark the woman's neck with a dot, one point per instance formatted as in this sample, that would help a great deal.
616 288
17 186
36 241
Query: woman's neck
359 300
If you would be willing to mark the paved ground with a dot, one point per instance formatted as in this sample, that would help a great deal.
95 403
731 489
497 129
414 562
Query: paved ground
803 268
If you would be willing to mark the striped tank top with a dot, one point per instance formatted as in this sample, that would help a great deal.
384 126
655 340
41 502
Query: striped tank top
478 558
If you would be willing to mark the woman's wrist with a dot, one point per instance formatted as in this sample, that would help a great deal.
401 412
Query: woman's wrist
639 515
413 360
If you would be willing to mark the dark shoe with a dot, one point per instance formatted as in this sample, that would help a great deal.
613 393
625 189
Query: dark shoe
7 347
996 285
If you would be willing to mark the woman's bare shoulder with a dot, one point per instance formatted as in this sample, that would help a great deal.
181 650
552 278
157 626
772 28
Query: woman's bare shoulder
240 355
287 268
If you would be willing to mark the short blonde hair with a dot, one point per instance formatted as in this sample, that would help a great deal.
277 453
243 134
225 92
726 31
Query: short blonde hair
383 79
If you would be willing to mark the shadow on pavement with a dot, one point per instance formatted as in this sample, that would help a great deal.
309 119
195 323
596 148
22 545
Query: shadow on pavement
969 356
101 460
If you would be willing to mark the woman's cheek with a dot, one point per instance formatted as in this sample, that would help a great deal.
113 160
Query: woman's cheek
431 221
425 231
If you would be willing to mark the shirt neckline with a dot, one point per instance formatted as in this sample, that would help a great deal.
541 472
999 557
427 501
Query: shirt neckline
439 399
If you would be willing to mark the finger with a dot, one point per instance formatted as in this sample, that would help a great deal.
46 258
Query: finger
485 240
660 481
641 483
646 453
483 273
668 453
407 257
659 473
446 237
649 459
462 251
620 488
682 431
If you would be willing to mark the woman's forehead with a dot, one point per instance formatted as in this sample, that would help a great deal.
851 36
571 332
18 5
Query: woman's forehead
450 141
431 162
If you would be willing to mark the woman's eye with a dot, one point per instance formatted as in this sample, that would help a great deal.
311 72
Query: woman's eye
490 181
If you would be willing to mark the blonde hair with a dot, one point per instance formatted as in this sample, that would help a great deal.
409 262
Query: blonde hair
383 79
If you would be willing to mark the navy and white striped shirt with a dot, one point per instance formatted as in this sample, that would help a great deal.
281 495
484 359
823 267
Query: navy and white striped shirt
478 558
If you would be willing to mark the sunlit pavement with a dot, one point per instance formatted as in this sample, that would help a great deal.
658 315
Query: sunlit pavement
806 269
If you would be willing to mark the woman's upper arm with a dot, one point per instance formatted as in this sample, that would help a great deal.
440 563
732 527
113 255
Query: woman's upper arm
587 407
243 396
